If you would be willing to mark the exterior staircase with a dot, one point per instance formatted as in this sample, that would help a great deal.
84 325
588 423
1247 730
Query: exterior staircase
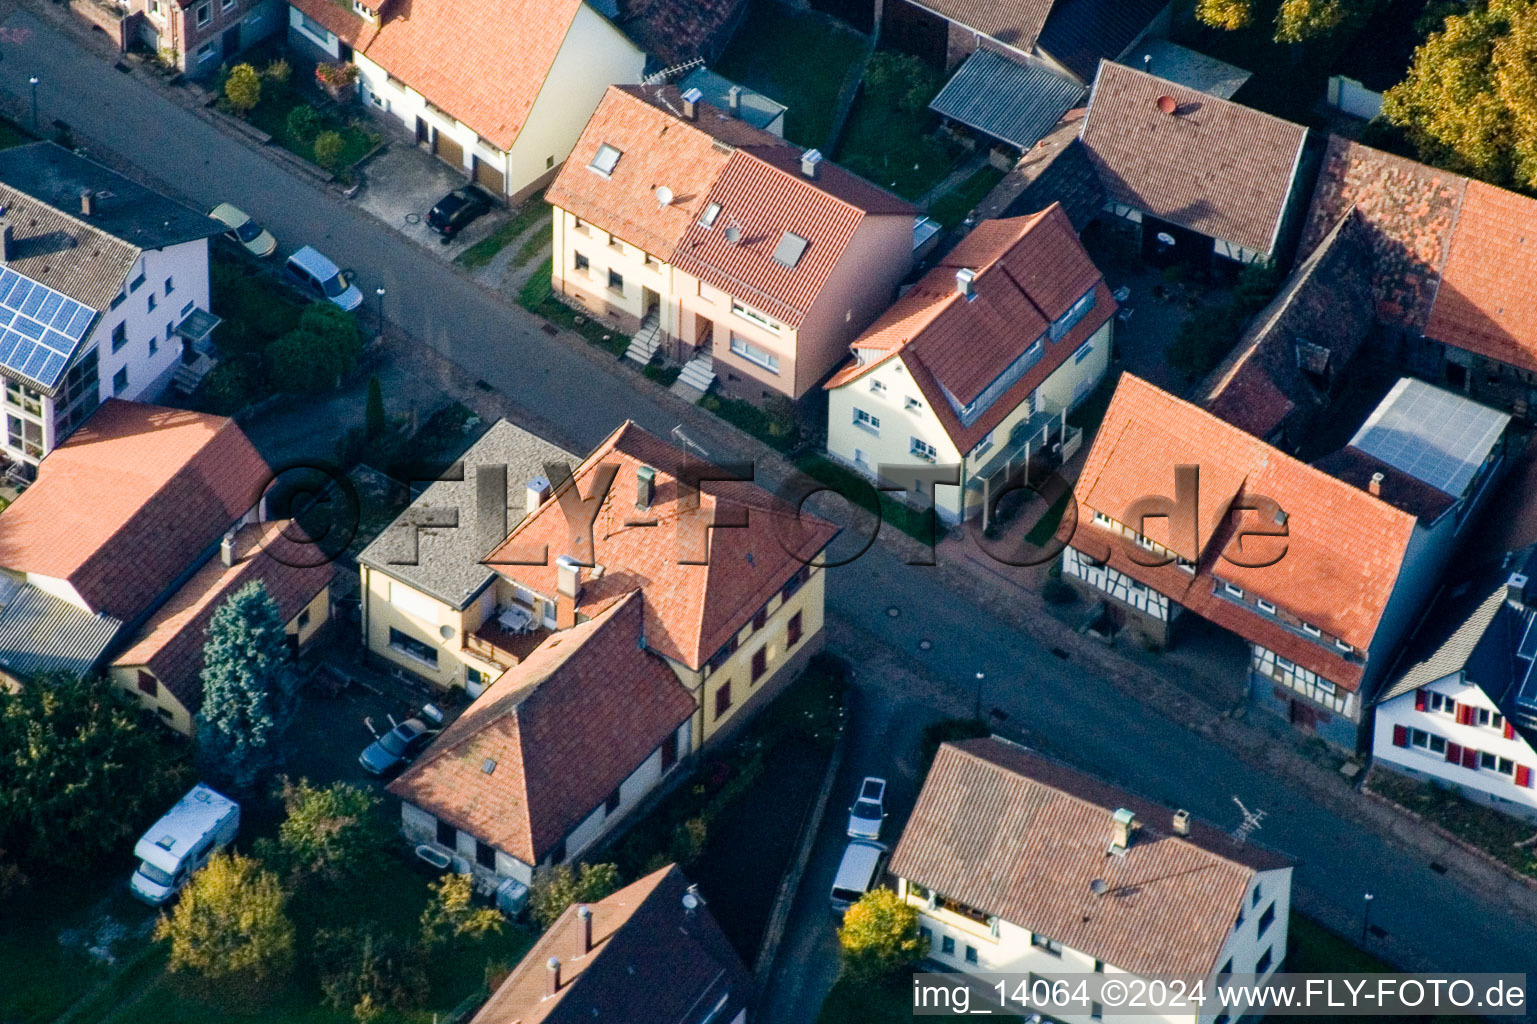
189 375
644 345
697 376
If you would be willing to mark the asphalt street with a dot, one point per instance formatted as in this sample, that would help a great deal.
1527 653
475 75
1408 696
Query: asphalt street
1064 709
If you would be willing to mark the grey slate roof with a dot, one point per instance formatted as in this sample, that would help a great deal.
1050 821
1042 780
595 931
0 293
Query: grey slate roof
125 209
1016 101
40 633
422 549
1079 32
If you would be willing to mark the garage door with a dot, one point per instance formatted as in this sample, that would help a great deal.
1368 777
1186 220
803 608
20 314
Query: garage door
448 150
488 175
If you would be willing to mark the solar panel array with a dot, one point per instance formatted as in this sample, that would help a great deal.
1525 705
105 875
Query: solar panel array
1435 436
39 328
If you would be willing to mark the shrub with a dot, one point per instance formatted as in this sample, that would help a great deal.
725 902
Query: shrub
367 969
230 387
229 932
330 835
243 88
557 888
303 124
279 71
313 356
900 81
880 936
374 418
451 913
328 150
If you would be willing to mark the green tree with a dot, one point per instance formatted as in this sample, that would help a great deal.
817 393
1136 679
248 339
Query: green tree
1469 102
81 773
451 913
331 835
230 387
366 969
302 124
322 348
900 80
243 88
1229 15
557 888
229 932
250 690
1301 20
880 936
328 150
374 419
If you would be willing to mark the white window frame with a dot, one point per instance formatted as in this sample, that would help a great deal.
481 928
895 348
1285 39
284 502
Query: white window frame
922 449
877 386
605 160
752 316
1084 351
1232 588
744 349
867 422
203 12
1312 630
1265 606
1344 647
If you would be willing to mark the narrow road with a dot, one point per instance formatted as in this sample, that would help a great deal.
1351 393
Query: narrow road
1065 709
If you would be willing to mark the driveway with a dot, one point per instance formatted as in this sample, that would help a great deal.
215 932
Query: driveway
581 396
401 183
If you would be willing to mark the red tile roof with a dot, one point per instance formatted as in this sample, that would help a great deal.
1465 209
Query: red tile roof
1487 302
1016 23
1343 551
1029 271
171 643
121 507
351 28
691 609
564 728
1018 836
1212 166
652 961
753 175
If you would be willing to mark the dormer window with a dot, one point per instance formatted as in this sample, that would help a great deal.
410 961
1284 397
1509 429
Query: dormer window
606 160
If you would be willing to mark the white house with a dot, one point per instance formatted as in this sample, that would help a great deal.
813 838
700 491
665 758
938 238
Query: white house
554 753
499 90
1019 864
103 291
1463 713
977 366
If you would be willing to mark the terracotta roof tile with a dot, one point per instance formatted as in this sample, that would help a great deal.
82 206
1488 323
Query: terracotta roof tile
351 28
1016 835
122 506
1016 23
1487 302
652 962
691 609
564 728
1343 550
171 643
1212 166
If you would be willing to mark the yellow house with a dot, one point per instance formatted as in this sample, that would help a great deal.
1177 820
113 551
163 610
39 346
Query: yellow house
753 262
498 90
969 377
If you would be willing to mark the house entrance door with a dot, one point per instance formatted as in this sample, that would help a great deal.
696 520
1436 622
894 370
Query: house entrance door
704 333
231 42
1303 715
423 134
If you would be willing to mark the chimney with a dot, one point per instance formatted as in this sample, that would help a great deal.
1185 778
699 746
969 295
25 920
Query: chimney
553 976
1122 824
1375 487
583 930
691 100
1182 822
734 100
227 549
965 283
537 492
87 203
1147 63
809 161
7 243
1515 589
645 486
568 587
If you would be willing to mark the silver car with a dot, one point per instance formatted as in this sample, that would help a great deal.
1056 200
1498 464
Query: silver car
244 231
869 811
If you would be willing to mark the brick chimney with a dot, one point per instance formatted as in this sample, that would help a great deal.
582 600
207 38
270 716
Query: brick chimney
568 589
1375 487
1123 824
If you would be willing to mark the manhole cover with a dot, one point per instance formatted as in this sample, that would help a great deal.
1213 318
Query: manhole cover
413 218
893 611
925 645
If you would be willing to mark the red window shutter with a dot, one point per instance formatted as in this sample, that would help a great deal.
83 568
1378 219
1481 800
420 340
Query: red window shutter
1469 757
1400 736
1419 700
1523 776
1510 730
1453 753
1462 713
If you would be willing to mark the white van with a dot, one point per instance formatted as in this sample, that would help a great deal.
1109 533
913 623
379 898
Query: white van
861 867
201 823
317 275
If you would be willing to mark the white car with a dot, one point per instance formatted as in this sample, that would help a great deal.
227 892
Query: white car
869 811
254 238
313 273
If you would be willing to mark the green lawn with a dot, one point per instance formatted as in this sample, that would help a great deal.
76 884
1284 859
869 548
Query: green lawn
1046 526
909 520
43 974
533 210
12 135
952 207
773 425
799 58
895 149
538 296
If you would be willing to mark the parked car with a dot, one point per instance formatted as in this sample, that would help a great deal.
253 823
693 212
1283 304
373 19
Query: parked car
869 811
863 862
396 748
312 272
201 823
255 239
454 212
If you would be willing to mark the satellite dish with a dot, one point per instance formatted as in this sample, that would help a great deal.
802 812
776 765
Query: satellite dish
663 195
690 901
733 234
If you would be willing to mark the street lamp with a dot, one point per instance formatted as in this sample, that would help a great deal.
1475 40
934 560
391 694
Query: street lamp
380 292
33 82
976 712
1366 915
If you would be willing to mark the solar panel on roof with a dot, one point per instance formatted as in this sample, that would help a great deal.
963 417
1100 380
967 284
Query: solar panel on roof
1435 436
45 327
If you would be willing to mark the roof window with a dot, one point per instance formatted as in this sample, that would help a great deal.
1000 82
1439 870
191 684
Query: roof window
606 160
790 249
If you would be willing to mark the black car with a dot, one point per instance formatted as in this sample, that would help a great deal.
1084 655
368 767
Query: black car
397 748
457 209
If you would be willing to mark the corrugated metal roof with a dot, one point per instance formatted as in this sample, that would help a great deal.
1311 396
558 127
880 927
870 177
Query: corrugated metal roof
39 633
1016 101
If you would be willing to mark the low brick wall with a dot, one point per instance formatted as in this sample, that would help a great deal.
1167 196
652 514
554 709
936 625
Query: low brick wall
112 21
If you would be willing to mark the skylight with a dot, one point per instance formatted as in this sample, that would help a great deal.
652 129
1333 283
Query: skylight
606 160
790 249
707 219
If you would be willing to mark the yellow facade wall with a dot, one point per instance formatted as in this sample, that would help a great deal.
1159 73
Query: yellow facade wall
390 604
